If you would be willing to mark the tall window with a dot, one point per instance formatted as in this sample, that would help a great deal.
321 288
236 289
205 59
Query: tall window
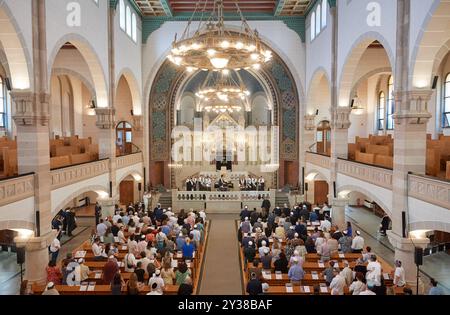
122 15
129 21
381 102
446 107
2 104
318 20
324 13
390 104
133 28
313 25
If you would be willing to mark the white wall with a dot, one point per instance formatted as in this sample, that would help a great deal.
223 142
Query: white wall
22 210
132 169
437 217
61 194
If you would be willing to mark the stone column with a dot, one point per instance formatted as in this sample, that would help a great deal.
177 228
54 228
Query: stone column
108 206
36 256
340 122
338 212
138 131
107 143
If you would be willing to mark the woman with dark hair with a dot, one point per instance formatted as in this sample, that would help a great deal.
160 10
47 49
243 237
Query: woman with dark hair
310 246
281 264
182 273
133 287
116 284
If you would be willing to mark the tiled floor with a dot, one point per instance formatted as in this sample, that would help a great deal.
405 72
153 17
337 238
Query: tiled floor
436 266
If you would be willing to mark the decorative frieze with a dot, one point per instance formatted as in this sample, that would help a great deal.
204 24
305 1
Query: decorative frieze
29 109
105 118
128 160
371 174
341 117
318 159
417 107
137 122
73 174
430 190
15 189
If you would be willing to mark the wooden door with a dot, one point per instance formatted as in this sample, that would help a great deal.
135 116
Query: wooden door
291 173
320 192
126 192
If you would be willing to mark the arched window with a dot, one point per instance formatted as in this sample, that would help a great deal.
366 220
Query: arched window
318 20
122 15
2 104
313 26
128 21
324 13
390 104
124 137
134 28
380 112
446 107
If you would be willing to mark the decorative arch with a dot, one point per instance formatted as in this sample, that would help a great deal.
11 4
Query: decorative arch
129 173
368 75
346 80
168 81
68 72
14 46
351 188
320 173
314 86
134 89
91 59
431 46
95 188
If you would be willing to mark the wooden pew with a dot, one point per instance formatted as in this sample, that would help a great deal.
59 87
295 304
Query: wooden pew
384 161
364 158
79 158
98 290
447 173
59 161
433 162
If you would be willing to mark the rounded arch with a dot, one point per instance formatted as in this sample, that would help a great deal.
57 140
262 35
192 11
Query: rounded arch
100 190
14 46
430 225
68 72
134 89
368 75
134 173
16 224
93 62
346 78
431 45
315 171
350 188
315 79
316 86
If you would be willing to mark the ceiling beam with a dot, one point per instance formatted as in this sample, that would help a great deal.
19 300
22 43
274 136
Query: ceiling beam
279 7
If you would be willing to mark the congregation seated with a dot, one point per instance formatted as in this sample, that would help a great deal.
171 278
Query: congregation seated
290 250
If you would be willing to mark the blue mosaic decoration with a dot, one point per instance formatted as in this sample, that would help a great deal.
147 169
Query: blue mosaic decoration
289 124
159 125
280 75
165 80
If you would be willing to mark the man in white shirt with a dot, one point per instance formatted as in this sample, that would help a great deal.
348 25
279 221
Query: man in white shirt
368 291
325 225
357 286
101 228
262 248
116 217
373 275
399 274
202 214
54 249
142 245
98 250
337 284
154 290
347 273
130 262
357 243
156 278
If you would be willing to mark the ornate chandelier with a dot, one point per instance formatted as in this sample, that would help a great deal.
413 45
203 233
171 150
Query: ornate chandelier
223 91
214 47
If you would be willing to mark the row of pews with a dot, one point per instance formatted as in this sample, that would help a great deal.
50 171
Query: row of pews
95 285
280 284
379 151
73 150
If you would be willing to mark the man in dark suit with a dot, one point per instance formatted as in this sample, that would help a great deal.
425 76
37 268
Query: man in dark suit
98 213
245 213
265 207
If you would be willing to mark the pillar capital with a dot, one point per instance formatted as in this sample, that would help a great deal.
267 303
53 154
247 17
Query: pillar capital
137 122
36 243
340 201
310 122
105 118
30 109
340 117
406 244
416 111
108 206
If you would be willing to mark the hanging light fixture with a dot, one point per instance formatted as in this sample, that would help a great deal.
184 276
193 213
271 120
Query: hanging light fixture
222 92
357 108
214 47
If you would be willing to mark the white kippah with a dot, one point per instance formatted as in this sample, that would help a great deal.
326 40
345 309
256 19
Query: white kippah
263 243
250 243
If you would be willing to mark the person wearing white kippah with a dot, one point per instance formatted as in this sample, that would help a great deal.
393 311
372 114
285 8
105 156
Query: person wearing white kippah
262 248
296 272
156 278
50 289
83 270
337 284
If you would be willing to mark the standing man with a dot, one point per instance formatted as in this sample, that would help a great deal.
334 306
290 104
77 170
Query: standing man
357 243
54 248
98 213
265 207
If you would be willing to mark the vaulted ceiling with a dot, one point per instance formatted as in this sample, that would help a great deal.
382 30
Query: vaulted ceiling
268 7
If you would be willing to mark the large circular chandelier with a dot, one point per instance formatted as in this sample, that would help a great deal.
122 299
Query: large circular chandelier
223 91
214 47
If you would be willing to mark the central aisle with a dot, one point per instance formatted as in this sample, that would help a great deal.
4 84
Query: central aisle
221 273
